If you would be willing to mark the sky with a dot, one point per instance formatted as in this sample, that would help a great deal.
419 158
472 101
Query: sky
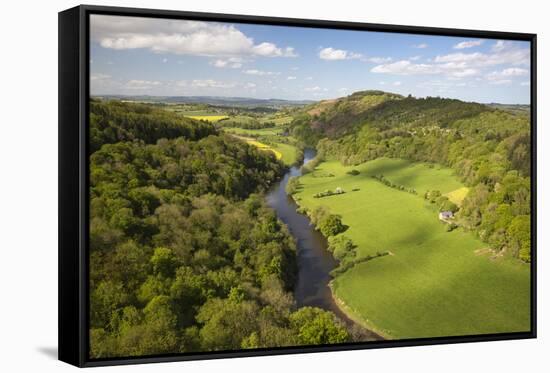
162 57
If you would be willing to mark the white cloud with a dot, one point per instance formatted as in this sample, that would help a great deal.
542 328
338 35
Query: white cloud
397 84
415 58
315 89
141 84
500 82
499 45
179 37
308 78
291 78
332 54
233 63
503 55
379 60
259 72
525 84
99 76
464 73
403 67
271 50
462 65
164 60
210 83
514 71
506 74
468 44
420 46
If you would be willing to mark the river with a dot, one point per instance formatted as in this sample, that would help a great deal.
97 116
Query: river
314 260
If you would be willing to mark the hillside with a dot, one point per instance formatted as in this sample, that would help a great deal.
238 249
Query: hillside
487 148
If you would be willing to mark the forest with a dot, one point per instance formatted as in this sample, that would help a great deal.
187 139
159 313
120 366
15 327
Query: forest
489 149
184 254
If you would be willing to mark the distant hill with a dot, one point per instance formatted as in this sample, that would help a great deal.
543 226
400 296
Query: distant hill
213 100
515 109
387 112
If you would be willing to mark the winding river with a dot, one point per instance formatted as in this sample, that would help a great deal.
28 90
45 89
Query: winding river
314 260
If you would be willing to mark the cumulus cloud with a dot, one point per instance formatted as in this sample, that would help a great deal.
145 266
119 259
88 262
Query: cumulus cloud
379 60
138 84
179 37
233 63
315 89
210 83
290 78
461 65
271 50
505 76
500 81
420 46
99 76
404 67
332 54
513 71
468 44
259 72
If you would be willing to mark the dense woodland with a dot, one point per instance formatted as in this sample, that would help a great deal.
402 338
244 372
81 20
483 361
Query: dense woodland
488 148
184 254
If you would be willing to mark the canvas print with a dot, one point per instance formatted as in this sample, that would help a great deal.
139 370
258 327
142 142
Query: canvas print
259 186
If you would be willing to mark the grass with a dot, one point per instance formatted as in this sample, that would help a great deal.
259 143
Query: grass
284 152
279 121
254 132
210 118
433 283
458 195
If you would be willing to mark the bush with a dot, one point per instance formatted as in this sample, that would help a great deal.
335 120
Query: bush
353 172
331 225
451 227
341 247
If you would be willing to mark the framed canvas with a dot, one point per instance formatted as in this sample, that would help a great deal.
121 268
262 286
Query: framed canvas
235 186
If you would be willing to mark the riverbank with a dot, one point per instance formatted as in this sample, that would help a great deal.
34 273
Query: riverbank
350 314
315 262
433 284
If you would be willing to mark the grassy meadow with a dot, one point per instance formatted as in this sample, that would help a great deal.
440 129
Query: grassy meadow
209 118
434 282
285 152
270 131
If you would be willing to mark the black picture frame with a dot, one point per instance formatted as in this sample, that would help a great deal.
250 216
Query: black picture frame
74 182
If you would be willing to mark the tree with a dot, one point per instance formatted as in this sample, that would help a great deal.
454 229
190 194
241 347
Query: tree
331 225
341 247
315 326
164 262
519 232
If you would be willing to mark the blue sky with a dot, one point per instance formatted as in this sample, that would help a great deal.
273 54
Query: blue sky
145 56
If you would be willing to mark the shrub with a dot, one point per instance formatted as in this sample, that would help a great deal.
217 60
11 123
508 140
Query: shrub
331 225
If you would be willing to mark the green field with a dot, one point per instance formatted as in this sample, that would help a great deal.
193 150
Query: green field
278 120
434 282
254 132
210 118
284 152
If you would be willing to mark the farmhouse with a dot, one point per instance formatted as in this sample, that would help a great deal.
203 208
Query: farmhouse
443 215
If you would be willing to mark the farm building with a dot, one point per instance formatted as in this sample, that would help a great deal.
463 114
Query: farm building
443 215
